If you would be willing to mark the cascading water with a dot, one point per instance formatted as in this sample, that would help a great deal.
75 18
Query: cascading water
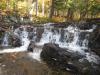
70 38
36 54
23 35
5 40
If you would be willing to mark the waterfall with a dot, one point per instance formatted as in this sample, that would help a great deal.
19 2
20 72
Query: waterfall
5 42
73 40
71 37
23 35
36 54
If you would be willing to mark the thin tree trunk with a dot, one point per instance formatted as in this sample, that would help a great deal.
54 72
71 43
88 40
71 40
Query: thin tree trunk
29 5
82 15
36 7
69 15
51 9
43 8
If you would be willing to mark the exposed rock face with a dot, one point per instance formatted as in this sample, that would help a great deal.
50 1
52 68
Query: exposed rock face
95 40
57 58
15 41
31 46
1 36
39 34
60 59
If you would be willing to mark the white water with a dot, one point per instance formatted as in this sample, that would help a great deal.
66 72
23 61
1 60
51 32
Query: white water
5 40
93 58
24 39
36 54
54 36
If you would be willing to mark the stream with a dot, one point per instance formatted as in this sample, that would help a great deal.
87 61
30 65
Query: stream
16 43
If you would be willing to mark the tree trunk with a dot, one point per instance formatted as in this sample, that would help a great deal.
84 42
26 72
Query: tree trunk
51 9
36 7
82 15
69 15
43 8
85 11
29 4
30 9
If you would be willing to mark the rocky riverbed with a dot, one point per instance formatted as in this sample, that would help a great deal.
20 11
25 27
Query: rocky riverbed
22 64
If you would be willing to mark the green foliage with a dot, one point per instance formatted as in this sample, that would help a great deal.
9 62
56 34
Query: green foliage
3 5
94 7
82 7
59 4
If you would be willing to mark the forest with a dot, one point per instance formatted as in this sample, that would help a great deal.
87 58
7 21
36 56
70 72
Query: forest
51 10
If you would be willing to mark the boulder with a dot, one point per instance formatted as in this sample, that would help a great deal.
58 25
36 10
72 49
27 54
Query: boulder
31 35
31 46
62 59
58 58
15 41
94 40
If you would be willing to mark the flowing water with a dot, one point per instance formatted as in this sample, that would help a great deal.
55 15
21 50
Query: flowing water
5 40
72 38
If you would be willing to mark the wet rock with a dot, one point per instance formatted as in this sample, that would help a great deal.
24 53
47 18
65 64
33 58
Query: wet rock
61 24
58 58
84 25
29 29
39 32
1 36
31 46
61 59
31 35
21 29
94 40
15 41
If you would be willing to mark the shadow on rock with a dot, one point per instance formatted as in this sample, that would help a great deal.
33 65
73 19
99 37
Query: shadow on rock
61 59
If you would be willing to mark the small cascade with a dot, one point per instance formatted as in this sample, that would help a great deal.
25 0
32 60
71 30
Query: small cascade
74 45
23 35
5 42
71 38
46 36
74 39
49 35
36 54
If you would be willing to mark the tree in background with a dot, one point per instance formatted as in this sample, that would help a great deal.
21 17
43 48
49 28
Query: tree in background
52 8
43 9
67 9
